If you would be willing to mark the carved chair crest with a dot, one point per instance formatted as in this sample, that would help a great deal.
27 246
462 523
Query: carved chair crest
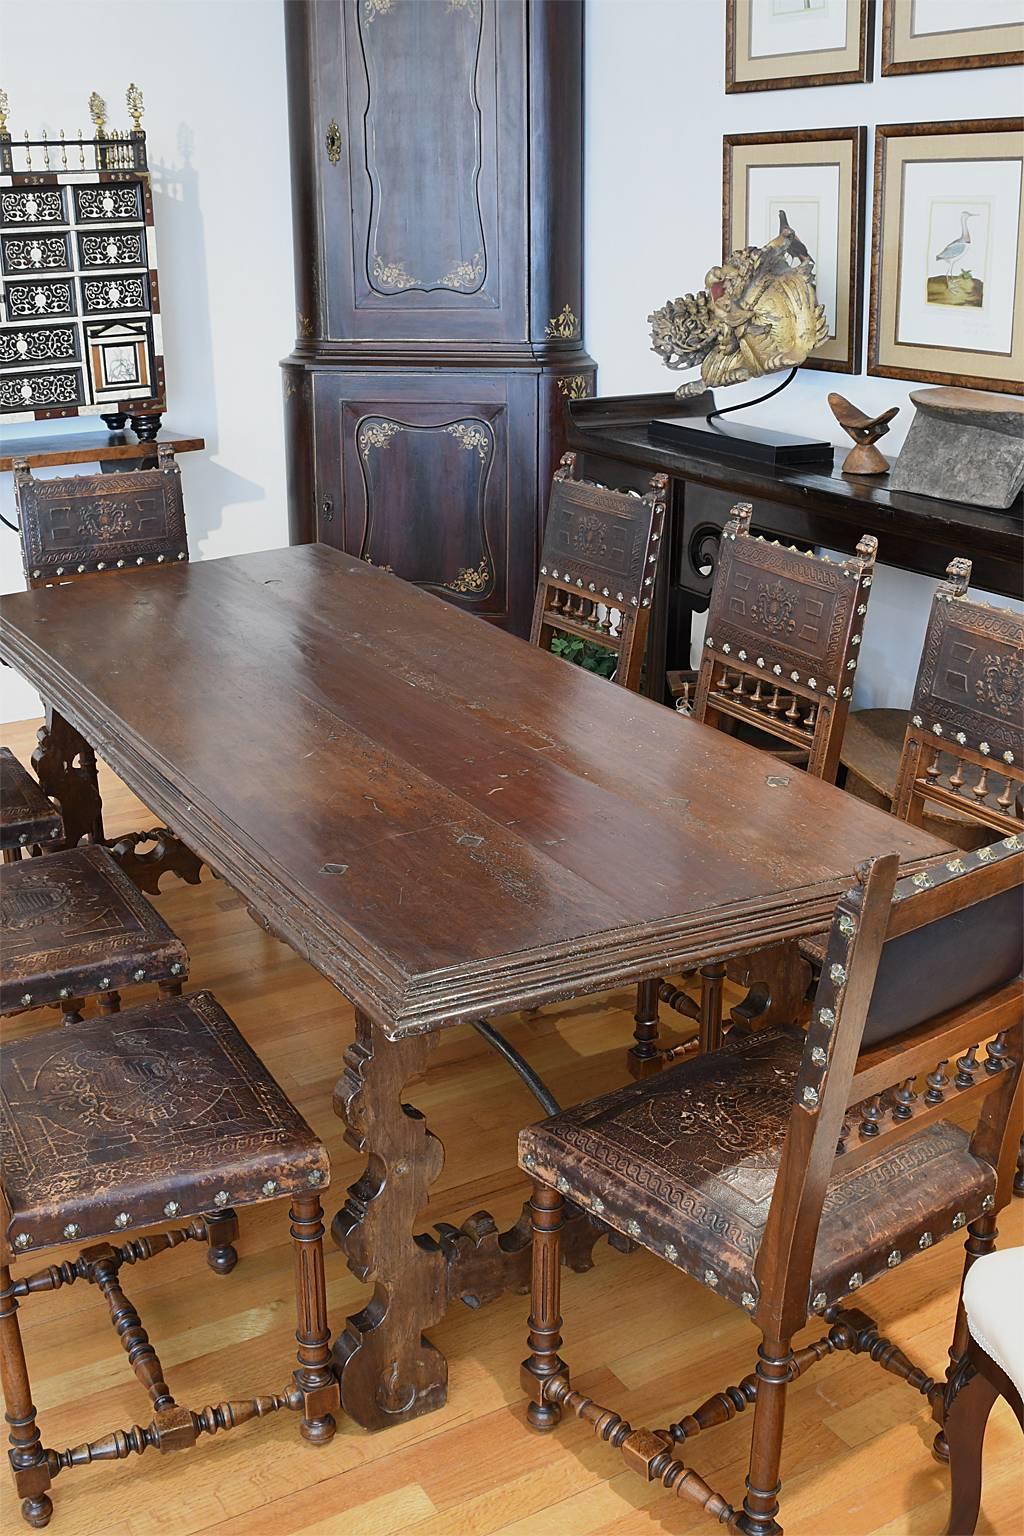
782 640
598 566
76 524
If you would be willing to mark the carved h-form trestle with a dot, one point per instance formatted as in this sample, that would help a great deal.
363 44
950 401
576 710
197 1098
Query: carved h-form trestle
831 1126
392 1373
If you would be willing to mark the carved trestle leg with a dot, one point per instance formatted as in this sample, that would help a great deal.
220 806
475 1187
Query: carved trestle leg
314 1377
28 1460
389 1371
65 766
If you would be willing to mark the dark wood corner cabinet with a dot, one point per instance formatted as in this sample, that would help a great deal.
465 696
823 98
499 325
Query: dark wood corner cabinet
436 150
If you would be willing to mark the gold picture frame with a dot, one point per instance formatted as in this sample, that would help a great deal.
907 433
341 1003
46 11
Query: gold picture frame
773 45
819 173
910 46
947 254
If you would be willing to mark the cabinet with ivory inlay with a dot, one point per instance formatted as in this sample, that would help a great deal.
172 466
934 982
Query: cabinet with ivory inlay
437 203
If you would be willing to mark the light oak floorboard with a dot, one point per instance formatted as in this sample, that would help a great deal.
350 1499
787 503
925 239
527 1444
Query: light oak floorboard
639 1337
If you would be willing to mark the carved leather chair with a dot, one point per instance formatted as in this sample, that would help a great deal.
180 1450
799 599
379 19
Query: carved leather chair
926 764
782 641
27 818
786 1171
76 926
165 1115
779 660
597 567
78 525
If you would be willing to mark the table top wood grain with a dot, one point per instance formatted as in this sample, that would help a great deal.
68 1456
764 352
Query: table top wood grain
445 821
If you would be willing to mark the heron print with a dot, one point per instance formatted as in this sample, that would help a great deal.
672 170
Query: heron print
957 248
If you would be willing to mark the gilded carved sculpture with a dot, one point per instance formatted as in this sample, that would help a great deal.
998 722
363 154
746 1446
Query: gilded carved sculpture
758 312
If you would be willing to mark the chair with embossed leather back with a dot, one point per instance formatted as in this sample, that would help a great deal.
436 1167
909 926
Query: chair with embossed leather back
964 745
598 566
788 1170
74 525
80 525
780 655
782 642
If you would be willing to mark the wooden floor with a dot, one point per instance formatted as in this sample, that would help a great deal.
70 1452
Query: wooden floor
638 1336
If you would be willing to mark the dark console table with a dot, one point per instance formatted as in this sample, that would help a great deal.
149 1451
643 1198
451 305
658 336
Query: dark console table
808 506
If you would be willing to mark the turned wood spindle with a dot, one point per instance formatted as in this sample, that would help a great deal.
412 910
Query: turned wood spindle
966 1067
937 1082
903 1109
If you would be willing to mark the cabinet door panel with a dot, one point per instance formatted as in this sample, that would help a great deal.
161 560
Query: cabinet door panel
424 486
428 86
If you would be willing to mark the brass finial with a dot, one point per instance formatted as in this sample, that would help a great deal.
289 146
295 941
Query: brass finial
5 107
97 110
133 96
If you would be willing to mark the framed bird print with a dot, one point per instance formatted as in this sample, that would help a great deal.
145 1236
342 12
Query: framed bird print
947 254
920 36
774 45
811 181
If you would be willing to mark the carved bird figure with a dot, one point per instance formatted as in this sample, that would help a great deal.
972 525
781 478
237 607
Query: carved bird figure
864 458
796 246
955 250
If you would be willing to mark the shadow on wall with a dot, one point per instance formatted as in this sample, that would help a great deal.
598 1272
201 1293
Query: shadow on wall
188 343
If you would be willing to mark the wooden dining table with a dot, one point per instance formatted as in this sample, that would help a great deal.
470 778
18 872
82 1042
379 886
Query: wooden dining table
447 823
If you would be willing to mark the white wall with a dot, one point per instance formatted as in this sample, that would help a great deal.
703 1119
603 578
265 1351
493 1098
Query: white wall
213 76
656 113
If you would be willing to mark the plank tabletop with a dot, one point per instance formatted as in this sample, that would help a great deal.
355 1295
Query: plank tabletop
446 821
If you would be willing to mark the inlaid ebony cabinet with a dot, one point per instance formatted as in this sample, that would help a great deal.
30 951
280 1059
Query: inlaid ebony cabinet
437 199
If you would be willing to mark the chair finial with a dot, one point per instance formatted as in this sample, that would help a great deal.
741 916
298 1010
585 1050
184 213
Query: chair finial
959 573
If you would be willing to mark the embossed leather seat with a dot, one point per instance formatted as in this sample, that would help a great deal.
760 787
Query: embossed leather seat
161 1113
27 817
685 1163
74 925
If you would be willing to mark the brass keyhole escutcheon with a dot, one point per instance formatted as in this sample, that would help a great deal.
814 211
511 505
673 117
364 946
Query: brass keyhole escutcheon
333 142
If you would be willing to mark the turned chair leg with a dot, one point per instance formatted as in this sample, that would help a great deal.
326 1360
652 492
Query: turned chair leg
644 1055
169 988
544 1339
221 1236
761 1501
315 1377
28 1460
712 979
71 1010
108 1002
